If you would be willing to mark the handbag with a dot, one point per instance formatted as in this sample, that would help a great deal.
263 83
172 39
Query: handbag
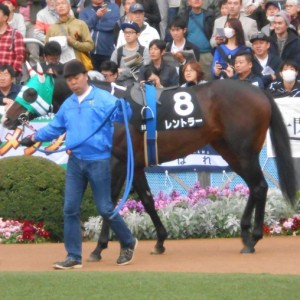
84 57
86 60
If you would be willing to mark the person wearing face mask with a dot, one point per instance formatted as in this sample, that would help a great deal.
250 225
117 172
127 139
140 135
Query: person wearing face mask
288 86
271 9
225 53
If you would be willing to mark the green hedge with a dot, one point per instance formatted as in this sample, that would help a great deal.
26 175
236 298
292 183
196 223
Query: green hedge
32 188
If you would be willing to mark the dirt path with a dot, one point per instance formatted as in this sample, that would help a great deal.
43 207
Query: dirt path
276 255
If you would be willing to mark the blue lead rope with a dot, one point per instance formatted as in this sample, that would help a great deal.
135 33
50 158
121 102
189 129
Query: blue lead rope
130 165
84 140
130 157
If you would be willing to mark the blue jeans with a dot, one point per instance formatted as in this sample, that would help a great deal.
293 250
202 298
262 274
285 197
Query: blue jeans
97 173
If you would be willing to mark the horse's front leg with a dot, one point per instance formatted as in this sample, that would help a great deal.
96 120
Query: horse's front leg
118 175
141 186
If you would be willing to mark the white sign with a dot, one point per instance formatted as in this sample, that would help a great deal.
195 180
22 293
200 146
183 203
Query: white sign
290 110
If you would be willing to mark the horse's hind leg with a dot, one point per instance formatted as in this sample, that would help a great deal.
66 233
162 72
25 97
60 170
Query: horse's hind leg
142 188
258 187
247 166
118 174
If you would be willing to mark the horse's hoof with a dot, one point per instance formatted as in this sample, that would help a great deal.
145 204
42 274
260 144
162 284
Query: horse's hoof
248 250
94 257
158 250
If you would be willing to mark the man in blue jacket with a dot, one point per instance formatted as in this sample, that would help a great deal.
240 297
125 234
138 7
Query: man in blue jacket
101 17
80 116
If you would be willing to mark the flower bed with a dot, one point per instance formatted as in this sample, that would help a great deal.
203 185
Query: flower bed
202 213
12 231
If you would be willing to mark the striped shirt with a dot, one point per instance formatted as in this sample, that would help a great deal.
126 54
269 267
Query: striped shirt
12 52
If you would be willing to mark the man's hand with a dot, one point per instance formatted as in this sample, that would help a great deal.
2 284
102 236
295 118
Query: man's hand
180 57
28 141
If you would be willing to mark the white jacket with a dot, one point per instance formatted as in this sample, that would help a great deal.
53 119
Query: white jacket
146 36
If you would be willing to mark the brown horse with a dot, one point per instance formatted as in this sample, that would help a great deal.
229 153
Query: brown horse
236 117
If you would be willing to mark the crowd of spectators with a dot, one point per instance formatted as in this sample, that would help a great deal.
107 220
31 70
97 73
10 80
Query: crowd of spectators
169 42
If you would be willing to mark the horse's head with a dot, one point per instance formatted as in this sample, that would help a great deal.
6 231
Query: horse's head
33 100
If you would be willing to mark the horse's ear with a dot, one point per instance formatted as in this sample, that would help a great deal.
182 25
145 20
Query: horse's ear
40 73
30 70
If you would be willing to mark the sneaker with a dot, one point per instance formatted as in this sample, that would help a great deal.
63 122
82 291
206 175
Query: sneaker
126 255
68 263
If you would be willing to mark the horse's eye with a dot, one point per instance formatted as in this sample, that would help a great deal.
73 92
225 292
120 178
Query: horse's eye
30 95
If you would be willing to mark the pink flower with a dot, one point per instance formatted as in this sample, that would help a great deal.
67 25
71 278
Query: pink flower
7 234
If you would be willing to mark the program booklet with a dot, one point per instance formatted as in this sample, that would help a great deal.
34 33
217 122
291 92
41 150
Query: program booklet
171 60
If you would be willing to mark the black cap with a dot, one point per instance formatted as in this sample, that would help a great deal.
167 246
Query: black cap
259 36
136 7
74 67
274 3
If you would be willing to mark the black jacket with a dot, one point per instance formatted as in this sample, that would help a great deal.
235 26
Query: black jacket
273 62
291 49
152 14
278 91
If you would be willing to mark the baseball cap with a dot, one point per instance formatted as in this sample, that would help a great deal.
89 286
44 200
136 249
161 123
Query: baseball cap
136 7
273 3
131 25
73 67
259 36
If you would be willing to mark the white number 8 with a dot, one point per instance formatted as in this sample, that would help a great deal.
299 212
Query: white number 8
183 104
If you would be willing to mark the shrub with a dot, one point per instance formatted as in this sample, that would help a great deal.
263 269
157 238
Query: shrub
32 188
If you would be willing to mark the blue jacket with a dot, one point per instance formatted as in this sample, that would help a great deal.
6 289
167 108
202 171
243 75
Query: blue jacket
102 29
79 121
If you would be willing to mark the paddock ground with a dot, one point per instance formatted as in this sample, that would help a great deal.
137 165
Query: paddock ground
274 255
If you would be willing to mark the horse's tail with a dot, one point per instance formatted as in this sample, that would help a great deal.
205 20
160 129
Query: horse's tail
281 143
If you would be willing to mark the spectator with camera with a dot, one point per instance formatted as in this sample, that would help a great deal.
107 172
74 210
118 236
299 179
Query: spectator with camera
100 18
224 54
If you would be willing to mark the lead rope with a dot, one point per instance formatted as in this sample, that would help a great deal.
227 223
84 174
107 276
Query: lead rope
79 143
130 165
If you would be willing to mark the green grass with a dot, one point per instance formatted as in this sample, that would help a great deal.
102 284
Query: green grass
136 285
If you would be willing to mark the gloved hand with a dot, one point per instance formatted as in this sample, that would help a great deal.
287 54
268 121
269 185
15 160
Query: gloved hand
27 141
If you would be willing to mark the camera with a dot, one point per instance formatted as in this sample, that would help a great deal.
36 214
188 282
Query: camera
223 65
